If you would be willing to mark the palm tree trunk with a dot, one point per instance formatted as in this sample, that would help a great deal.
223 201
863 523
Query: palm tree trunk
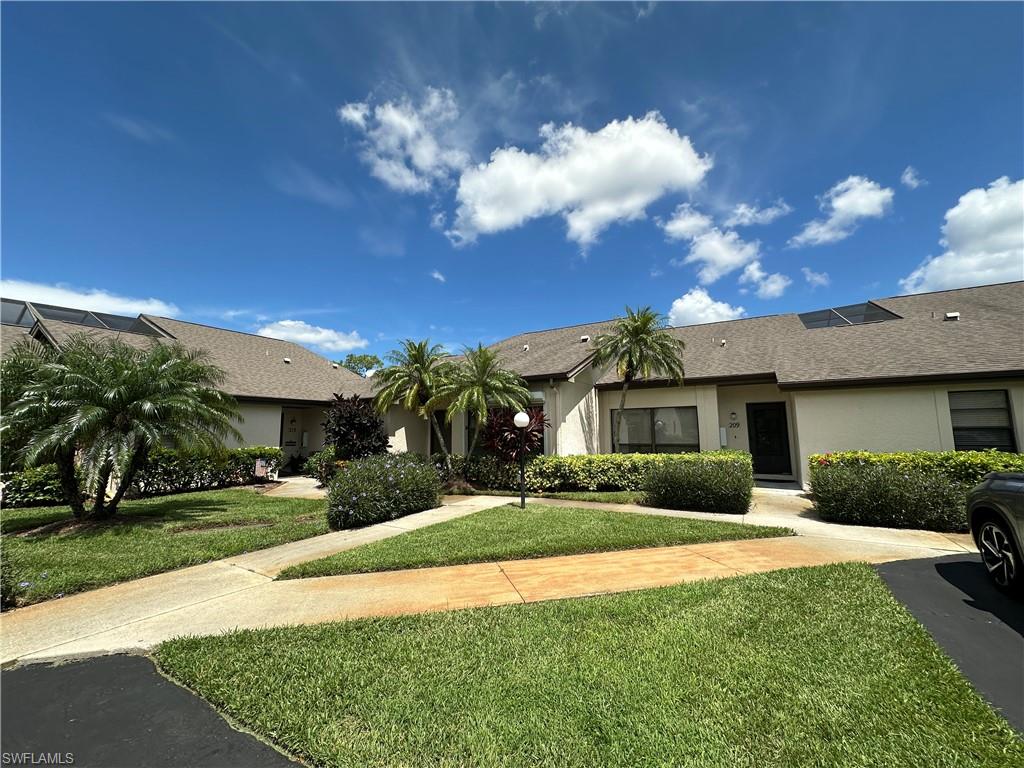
440 439
618 414
476 437
134 465
65 460
99 505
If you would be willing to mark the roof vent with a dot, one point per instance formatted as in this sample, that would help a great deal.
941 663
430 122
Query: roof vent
721 342
526 347
952 316
584 338
334 366
287 360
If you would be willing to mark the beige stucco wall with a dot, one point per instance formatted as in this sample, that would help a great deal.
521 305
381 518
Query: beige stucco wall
901 418
261 425
572 408
406 431
703 397
734 399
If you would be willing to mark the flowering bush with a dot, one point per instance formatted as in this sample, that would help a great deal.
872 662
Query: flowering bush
379 488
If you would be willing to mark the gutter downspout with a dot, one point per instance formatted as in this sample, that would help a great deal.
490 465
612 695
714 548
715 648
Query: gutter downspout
556 416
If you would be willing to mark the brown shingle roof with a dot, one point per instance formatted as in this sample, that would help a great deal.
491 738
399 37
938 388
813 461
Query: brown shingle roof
987 339
254 365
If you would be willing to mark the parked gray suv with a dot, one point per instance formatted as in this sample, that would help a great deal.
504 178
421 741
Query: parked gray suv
995 509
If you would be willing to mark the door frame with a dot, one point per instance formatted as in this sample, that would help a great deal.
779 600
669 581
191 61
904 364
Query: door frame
785 435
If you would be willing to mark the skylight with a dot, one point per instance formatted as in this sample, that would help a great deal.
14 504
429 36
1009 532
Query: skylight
18 313
851 314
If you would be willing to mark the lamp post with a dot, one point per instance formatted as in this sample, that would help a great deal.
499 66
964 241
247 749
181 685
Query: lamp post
522 421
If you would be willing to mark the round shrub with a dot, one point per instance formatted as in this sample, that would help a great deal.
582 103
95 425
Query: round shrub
322 465
890 495
378 488
720 481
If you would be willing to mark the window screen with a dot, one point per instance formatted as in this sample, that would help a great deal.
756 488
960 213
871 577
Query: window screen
657 430
981 420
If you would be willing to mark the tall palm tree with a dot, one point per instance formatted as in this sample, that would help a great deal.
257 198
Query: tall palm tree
414 372
639 348
477 384
119 402
29 364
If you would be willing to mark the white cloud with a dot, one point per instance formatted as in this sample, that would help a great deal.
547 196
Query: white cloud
139 129
696 306
845 204
719 253
591 179
313 335
686 223
409 147
910 178
767 286
984 239
436 274
744 215
92 299
296 180
815 279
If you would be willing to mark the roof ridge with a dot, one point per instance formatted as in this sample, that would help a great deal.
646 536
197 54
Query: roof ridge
948 290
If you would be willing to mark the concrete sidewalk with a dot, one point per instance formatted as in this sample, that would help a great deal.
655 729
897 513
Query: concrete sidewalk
240 593
55 623
792 509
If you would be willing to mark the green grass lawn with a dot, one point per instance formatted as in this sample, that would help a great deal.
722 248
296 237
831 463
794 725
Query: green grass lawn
806 667
510 533
149 536
609 497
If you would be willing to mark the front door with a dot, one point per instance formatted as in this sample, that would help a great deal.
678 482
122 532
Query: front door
769 438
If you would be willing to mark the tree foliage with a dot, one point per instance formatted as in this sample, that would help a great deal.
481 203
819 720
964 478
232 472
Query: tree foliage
361 363
508 442
354 428
639 347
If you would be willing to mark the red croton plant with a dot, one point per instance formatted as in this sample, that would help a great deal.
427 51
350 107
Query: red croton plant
501 435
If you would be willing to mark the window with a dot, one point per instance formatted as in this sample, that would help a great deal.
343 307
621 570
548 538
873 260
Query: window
981 420
851 314
657 430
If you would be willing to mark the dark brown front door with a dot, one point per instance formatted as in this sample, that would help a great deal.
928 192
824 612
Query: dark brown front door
769 438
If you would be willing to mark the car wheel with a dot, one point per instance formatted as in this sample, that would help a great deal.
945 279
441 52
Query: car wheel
1000 556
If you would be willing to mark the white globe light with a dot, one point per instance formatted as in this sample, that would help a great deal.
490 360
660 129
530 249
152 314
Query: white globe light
522 420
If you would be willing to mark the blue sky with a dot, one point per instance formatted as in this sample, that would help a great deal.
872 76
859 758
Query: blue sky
348 175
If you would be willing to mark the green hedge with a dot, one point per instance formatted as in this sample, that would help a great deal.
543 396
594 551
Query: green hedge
378 488
322 465
618 472
718 481
916 489
176 471
32 487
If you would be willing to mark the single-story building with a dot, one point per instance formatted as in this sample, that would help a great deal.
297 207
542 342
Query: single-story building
934 371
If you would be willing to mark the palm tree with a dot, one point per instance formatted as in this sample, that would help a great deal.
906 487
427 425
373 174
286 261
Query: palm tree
28 364
477 384
414 372
118 402
639 348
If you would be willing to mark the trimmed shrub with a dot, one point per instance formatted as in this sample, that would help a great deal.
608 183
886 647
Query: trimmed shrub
960 466
354 428
913 489
379 488
32 487
322 465
178 471
485 471
890 496
716 481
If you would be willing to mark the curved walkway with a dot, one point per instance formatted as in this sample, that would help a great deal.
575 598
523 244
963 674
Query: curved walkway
240 591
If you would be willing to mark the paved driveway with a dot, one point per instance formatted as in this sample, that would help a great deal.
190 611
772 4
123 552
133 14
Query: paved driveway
118 712
980 628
